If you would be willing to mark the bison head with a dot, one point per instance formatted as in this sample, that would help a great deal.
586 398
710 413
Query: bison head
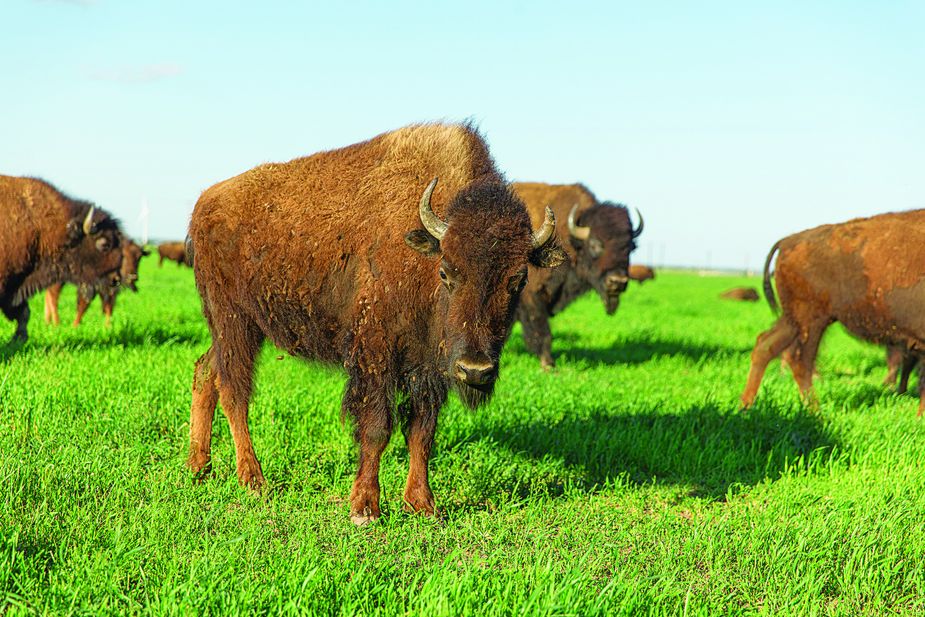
603 238
94 253
484 247
131 256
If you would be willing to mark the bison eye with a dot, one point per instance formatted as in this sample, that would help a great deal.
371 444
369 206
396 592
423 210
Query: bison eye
446 279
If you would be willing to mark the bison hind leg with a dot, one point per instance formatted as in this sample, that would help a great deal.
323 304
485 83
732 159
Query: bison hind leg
769 345
202 413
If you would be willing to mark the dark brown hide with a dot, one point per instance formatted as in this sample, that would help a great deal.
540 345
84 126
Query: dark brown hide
47 238
128 275
901 361
599 262
869 274
314 255
744 294
174 251
641 273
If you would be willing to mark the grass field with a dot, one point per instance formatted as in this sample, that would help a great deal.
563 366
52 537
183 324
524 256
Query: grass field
624 483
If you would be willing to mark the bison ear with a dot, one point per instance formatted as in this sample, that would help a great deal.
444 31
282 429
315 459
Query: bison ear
424 243
549 255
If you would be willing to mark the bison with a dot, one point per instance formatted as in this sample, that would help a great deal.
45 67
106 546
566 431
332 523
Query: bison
742 294
128 275
598 238
867 273
641 274
358 256
174 251
47 238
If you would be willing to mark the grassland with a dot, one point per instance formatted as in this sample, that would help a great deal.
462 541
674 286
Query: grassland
624 483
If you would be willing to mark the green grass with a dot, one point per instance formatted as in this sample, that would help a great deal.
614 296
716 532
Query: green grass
624 483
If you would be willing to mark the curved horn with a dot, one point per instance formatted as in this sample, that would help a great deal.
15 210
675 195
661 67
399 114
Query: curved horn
432 223
642 224
88 222
546 229
580 233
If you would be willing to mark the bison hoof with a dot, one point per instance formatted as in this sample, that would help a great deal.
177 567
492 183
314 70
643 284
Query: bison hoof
547 364
364 518
251 477
200 465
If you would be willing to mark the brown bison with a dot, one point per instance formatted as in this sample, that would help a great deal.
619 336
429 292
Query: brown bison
174 251
47 238
128 275
356 256
868 274
641 273
598 238
743 294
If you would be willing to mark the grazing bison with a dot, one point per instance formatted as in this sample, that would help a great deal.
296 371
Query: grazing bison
868 273
350 256
743 294
174 251
47 238
641 274
128 274
598 238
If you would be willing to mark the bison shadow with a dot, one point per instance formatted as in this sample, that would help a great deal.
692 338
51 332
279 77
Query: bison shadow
630 350
708 451
118 337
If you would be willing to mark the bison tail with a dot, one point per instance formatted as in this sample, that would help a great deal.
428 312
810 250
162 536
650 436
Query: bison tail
768 287
188 252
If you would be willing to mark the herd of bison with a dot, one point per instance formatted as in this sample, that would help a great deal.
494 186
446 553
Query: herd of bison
407 259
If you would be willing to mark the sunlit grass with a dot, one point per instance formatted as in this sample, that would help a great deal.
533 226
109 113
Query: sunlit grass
625 482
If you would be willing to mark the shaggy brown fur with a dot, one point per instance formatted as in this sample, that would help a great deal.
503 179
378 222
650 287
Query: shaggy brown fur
744 294
128 275
598 263
869 274
314 255
174 251
43 241
641 273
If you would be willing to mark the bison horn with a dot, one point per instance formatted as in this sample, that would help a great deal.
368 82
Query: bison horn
432 223
88 222
546 229
640 226
580 233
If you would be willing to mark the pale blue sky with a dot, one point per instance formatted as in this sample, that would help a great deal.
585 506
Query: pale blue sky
729 124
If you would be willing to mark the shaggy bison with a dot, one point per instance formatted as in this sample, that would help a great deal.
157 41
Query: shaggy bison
174 251
868 273
641 274
598 238
742 294
128 275
358 256
47 238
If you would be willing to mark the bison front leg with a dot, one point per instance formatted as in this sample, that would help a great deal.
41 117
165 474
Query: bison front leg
108 304
534 320
366 401
82 304
20 314
51 304
420 427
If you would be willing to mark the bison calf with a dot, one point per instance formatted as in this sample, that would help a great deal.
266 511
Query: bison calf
46 238
350 256
598 239
128 275
868 274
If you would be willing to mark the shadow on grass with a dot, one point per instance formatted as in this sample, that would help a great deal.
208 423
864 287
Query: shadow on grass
120 337
706 449
631 350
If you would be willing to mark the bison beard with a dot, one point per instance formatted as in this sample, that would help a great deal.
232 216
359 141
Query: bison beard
314 255
868 274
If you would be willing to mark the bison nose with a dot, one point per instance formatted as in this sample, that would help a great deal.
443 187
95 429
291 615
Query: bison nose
616 282
476 371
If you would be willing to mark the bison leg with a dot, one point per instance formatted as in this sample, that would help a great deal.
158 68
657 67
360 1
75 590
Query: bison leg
769 345
108 305
803 359
366 401
202 412
160 261
894 359
51 304
19 314
82 304
909 360
537 336
420 427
